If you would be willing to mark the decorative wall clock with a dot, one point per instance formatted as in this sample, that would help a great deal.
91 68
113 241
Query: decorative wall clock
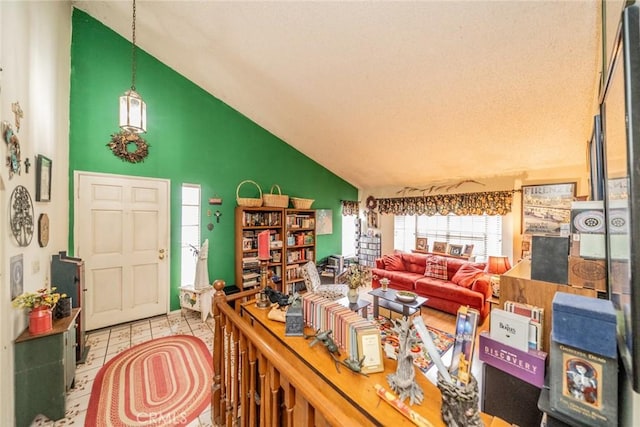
21 215
43 230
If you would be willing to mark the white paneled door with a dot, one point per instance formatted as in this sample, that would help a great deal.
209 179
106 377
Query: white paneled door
122 234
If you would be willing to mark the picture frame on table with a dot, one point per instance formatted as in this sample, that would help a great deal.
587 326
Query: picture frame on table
422 244
455 250
468 250
439 247
43 178
546 208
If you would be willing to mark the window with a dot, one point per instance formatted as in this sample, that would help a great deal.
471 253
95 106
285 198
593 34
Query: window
350 224
482 231
190 232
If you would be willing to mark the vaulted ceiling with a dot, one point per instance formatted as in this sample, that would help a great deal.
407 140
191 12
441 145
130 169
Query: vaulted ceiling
391 93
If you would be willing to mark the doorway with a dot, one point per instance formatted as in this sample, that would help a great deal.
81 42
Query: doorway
122 234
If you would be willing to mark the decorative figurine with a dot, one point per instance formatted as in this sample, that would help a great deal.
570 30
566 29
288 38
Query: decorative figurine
325 338
277 297
403 380
355 365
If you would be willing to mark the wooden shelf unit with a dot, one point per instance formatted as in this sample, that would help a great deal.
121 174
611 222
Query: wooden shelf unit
249 222
369 248
300 244
294 229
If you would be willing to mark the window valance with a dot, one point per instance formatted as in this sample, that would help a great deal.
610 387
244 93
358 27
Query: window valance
490 203
350 207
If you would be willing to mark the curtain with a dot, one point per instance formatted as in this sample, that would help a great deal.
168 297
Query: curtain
350 207
490 203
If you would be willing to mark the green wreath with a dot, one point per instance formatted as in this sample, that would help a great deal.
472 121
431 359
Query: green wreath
121 145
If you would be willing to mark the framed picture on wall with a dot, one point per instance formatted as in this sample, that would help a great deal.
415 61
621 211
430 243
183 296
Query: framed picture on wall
43 179
545 208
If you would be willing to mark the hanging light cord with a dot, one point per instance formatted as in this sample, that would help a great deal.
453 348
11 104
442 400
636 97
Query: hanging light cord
133 49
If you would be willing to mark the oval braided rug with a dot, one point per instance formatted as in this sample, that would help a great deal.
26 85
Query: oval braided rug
165 381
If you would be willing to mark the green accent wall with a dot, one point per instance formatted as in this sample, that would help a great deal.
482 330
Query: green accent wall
194 138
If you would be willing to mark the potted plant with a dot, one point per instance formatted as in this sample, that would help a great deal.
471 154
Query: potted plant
41 303
356 276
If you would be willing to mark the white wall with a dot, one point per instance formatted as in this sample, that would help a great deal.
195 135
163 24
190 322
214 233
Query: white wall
35 40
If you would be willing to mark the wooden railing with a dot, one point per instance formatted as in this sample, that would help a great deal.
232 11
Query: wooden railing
264 378
254 385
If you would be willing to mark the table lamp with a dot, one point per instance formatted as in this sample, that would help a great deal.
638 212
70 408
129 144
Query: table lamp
496 266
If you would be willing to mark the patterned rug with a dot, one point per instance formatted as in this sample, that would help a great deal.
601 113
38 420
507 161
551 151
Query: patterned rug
166 381
442 340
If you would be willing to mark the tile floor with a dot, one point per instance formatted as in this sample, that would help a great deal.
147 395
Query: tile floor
106 343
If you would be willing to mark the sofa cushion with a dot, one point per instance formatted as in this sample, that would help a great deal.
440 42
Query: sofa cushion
414 263
393 263
436 267
445 290
466 275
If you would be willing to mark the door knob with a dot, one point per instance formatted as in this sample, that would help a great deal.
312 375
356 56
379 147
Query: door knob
161 254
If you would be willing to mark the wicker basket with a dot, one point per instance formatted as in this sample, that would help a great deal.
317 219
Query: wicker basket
248 201
299 203
275 200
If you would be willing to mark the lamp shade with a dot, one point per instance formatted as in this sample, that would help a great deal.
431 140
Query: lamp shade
498 264
133 112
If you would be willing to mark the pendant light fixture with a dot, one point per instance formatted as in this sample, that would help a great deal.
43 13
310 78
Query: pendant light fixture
133 110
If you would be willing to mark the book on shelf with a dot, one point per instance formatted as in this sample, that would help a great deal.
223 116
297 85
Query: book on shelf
536 316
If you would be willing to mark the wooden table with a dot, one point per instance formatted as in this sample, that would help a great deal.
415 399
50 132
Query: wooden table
387 299
353 391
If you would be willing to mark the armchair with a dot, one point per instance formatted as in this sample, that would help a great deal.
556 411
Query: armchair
313 284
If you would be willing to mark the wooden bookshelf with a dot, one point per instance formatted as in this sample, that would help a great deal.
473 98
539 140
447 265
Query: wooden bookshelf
300 244
293 244
248 223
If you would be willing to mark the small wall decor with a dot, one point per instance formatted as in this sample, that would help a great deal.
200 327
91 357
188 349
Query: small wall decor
43 230
122 144
546 207
18 114
43 179
13 149
21 215
324 221
17 275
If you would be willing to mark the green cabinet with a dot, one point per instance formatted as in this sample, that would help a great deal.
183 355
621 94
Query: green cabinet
44 370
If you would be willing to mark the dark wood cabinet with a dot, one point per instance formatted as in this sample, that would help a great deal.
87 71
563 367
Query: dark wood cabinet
67 275
45 366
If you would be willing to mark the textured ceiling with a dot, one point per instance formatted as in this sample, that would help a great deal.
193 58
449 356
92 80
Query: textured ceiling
391 93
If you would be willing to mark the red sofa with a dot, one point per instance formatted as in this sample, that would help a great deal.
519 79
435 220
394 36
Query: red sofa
466 282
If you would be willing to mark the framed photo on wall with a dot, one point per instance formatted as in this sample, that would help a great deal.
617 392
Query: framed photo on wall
546 208
43 179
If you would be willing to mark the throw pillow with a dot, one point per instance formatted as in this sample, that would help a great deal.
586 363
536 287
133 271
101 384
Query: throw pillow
436 267
466 275
393 263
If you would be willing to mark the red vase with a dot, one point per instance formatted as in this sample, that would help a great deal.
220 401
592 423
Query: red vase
40 320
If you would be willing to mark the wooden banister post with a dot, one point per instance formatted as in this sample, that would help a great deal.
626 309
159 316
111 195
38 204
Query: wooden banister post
219 297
